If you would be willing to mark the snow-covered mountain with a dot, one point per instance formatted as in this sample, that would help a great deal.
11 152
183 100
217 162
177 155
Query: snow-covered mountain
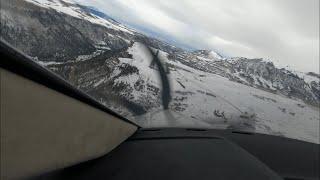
90 14
208 54
111 63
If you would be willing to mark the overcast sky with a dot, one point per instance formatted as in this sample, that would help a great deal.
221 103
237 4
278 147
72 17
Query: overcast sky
284 31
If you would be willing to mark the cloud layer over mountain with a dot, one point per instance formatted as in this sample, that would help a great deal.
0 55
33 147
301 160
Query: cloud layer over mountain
284 31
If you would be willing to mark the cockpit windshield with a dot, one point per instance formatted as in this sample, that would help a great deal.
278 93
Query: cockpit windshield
247 66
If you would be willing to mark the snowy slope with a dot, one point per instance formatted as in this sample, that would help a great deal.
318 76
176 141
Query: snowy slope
71 8
141 58
215 55
206 100
307 77
199 99
208 54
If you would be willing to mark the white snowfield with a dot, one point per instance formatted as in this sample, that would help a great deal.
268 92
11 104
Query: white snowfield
207 96
215 55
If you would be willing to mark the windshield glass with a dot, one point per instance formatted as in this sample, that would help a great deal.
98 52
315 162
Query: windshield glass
245 66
